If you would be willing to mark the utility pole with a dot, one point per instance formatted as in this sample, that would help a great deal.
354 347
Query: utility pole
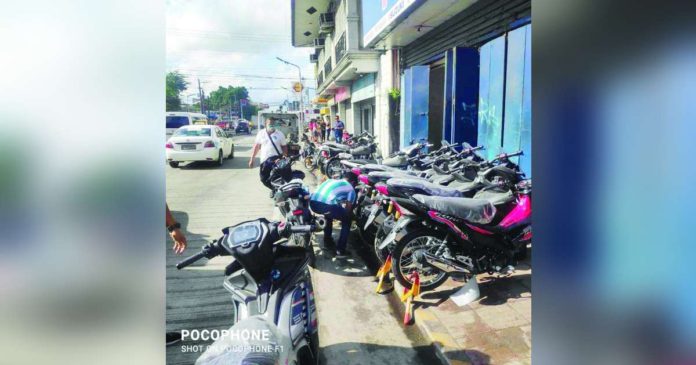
200 96
299 71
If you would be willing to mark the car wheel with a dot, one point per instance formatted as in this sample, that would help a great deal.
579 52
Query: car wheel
221 159
173 164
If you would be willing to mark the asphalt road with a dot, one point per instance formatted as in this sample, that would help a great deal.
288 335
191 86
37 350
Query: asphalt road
356 325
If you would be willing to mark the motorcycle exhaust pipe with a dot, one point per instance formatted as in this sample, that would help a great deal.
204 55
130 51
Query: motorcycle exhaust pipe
445 265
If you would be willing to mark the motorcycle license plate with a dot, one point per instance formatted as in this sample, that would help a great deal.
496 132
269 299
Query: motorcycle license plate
373 214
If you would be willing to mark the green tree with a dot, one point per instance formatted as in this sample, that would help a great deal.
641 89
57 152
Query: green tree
175 85
226 98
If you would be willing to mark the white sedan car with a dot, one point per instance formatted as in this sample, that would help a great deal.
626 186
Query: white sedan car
199 143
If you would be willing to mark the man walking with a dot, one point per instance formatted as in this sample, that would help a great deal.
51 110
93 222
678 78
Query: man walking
338 129
334 199
271 142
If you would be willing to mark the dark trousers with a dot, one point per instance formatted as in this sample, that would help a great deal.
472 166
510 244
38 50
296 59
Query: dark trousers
328 134
331 212
265 171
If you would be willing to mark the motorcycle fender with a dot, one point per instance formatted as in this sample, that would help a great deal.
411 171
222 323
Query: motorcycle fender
401 228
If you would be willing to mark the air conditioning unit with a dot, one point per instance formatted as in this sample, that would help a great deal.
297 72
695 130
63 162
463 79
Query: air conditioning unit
314 58
319 42
326 23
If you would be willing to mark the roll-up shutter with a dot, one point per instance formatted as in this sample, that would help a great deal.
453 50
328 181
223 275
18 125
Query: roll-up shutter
477 24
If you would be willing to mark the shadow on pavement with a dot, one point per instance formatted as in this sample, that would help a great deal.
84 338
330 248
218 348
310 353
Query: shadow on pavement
352 265
365 353
228 164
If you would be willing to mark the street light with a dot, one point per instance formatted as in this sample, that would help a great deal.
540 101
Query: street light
299 71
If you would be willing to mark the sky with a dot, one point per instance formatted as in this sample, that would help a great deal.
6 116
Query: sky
235 42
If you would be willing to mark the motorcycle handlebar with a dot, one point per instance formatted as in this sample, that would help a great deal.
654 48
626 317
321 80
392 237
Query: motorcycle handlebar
503 156
301 229
189 260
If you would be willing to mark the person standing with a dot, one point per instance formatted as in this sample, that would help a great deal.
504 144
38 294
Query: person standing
322 129
271 142
338 129
313 129
328 129
334 199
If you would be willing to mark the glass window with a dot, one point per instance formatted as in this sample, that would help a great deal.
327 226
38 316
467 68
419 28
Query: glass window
174 121
186 132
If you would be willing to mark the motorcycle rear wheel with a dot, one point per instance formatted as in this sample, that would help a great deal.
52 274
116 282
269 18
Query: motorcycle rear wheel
402 259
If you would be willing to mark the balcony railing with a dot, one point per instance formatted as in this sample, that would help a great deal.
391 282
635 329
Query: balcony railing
341 47
327 67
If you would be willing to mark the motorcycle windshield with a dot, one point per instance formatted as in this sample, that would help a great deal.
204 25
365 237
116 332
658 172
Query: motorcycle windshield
250 342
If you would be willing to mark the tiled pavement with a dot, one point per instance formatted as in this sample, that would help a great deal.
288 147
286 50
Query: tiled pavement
495 329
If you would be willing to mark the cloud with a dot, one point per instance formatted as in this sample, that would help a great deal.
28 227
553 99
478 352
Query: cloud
235 42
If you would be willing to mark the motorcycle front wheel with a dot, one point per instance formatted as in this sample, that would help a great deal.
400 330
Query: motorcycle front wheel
403 263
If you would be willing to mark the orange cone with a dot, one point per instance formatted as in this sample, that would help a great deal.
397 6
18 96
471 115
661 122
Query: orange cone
383 271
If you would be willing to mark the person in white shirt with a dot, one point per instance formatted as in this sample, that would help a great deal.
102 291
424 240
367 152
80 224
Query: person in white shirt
273 146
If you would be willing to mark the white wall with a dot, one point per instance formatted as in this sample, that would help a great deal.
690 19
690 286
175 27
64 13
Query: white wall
382 85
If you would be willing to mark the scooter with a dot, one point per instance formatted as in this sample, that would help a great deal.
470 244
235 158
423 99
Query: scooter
272 296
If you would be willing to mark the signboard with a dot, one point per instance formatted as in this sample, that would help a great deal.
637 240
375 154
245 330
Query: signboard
297 86
371 10
342 93
321 100
243 102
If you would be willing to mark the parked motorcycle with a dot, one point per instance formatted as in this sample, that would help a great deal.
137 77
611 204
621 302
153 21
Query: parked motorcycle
272 291
459 237
291 197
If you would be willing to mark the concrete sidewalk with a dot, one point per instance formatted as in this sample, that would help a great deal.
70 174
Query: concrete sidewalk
495 329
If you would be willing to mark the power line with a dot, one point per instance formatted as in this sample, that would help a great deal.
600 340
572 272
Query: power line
245 76
263 35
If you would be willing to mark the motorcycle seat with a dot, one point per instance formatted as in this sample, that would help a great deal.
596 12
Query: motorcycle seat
361 150
479 211
337 146
362 161
382 176
350 163
421 185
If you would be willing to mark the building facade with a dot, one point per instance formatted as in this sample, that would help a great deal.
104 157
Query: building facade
405 70
344 70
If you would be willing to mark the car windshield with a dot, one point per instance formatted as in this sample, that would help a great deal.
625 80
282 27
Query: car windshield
174 121
186 132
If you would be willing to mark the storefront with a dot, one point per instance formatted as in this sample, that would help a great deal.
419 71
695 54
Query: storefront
363 99
472 85
343 107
